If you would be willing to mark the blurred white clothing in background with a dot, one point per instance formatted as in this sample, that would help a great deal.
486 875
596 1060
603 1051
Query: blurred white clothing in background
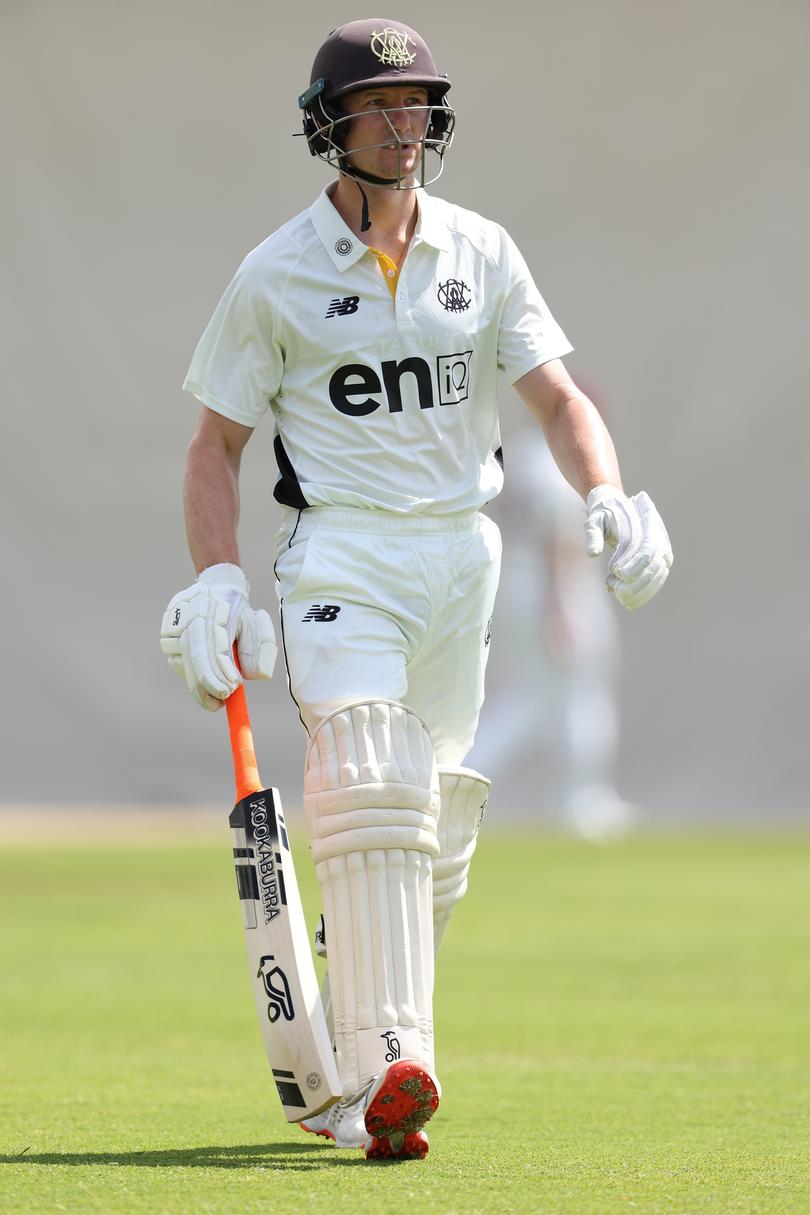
550 725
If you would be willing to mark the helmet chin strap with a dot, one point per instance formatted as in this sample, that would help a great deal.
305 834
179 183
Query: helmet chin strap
357 174
365 218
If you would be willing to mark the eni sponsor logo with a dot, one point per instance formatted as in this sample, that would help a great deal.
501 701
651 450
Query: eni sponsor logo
358 390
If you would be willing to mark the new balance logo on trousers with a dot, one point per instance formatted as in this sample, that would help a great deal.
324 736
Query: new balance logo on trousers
323 614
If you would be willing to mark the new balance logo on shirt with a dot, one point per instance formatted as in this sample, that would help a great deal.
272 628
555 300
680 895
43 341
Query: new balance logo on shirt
323 614
343 307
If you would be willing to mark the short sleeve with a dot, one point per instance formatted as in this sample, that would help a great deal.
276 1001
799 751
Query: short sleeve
528 334
238 365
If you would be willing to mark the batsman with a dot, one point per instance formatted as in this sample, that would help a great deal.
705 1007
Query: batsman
372 328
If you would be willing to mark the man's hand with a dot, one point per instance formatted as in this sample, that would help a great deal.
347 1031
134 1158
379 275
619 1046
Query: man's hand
200 626
632 527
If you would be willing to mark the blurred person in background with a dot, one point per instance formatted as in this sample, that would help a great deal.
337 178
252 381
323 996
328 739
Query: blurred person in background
551 720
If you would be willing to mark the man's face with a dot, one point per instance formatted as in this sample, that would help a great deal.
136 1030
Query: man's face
371 136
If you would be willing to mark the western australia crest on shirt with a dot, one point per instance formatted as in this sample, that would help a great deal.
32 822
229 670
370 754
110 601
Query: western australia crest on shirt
454 295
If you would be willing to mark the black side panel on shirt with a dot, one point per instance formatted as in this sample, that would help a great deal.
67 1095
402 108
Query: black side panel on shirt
287 491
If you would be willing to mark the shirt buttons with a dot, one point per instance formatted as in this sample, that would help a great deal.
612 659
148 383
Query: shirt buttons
401 296
391 273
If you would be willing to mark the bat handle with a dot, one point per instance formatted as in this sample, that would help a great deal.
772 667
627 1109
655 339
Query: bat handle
245 768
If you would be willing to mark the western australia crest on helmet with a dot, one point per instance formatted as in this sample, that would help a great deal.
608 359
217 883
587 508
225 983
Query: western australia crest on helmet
376 53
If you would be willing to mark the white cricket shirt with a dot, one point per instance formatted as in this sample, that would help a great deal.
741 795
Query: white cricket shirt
379 402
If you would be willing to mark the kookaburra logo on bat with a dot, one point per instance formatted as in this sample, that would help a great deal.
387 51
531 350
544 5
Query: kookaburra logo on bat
277 989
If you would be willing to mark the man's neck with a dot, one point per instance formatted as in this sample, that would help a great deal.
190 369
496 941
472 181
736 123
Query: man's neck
393 214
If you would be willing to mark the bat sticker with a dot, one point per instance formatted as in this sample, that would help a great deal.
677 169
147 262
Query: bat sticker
277 989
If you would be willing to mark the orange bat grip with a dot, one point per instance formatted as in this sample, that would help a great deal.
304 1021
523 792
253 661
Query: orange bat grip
245 768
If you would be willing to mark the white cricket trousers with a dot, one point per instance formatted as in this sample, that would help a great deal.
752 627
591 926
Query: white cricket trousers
376 605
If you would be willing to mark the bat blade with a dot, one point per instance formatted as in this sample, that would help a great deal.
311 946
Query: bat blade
296 1038
285 986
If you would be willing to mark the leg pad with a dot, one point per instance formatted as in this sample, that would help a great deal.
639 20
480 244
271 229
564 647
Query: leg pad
464 794
371 796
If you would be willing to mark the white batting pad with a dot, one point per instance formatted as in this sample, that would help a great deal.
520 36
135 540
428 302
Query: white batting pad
464 794
371 796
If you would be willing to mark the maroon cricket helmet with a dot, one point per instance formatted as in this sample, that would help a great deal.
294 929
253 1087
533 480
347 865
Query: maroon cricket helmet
375 52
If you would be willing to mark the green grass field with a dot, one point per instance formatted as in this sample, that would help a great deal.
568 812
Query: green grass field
621 1029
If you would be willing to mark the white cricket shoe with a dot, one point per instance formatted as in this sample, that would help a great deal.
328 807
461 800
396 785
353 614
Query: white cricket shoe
397 1105
342 1123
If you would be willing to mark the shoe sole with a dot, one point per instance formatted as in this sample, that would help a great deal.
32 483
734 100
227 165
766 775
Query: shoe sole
412 1147
311 1131
404 1098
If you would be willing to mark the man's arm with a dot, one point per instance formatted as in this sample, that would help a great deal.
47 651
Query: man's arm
201 623
211 489
577 437
583 450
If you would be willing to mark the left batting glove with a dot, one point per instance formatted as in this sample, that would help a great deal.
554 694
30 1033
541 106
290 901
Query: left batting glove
642 554
198 632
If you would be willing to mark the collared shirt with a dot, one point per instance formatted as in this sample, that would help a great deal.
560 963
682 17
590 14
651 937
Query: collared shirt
381 399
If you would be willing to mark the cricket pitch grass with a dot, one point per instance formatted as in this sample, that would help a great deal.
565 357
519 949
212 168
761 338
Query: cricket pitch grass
618 1029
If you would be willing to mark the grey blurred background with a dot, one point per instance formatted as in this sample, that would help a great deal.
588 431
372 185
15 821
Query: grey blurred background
650 160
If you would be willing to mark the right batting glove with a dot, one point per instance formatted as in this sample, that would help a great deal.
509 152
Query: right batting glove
199 629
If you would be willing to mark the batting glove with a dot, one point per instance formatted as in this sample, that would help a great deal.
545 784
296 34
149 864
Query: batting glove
199 629
642 554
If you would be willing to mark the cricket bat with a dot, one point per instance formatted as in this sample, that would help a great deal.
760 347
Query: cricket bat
297 1042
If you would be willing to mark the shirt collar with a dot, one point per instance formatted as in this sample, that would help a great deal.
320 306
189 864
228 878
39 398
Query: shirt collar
430 227
335 235
345 249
